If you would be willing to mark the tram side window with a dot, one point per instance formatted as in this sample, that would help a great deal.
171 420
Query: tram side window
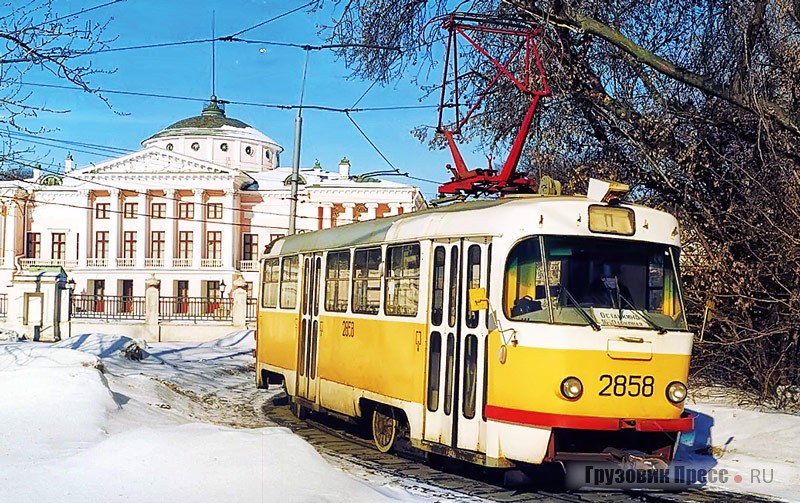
452 300
289 276
437 299
270 283
473 279
367 281
337 281
402 280
434 369
470 376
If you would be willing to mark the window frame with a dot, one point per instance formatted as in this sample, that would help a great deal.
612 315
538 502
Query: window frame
214 245
130 210
267 280
58 247
286 284
158 211
158 244
186 210
101 240
395 306
366 280
336 306
185 244
213 211
101 211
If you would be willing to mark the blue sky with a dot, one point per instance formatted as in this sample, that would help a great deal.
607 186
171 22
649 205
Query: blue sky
245 73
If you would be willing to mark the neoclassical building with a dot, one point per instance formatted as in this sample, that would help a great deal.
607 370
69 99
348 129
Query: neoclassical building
194 207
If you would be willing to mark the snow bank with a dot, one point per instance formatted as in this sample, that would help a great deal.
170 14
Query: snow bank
757 450
198 463
66 436
55 402
101 345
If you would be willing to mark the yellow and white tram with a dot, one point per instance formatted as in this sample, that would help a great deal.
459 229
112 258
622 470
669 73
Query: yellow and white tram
473 329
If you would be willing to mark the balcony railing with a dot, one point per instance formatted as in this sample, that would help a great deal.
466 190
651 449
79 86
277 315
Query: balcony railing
96 262
211 262
248 265
108 307
27 263
182 262
153 262
195 309
3 305
126 263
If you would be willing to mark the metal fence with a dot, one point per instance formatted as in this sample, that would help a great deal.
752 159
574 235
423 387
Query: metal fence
252 309
195 309
4 305
108 307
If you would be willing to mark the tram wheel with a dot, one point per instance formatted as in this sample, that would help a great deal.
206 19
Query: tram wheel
384 428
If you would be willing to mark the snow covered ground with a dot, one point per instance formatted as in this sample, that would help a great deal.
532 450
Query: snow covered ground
69 433
752 451
80 422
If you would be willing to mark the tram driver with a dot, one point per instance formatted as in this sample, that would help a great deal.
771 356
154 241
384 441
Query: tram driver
607 290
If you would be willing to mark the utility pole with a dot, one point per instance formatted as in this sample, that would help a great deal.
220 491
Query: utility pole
298 133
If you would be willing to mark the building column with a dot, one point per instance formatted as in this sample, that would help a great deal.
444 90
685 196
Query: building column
172 222
11 210
394 209
372 211
142 239
85 230
407 207
115 235
327 215
197 231
230 219
348 213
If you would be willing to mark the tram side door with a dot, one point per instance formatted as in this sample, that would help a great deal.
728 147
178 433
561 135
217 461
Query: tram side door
307 382
470 423
442 337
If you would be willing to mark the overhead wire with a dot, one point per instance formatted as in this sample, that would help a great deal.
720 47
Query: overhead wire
279 16
238 103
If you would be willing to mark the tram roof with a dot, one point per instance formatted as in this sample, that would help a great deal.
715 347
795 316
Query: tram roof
456 220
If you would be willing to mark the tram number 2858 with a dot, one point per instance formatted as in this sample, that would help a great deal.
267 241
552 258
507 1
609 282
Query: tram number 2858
631 385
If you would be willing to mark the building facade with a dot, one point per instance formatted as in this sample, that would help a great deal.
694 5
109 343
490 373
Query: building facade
194 207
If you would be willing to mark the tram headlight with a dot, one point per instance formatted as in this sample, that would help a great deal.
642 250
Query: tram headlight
571 388
676 392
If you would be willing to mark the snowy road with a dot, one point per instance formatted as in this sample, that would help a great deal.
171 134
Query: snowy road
186 422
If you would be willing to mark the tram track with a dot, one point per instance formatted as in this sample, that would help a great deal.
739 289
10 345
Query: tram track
341 442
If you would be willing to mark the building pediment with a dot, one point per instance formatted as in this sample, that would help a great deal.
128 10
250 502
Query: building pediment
155 161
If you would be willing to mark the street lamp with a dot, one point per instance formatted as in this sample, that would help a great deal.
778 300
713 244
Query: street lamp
71 285
222 288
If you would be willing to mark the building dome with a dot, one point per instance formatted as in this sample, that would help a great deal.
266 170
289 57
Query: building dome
214 137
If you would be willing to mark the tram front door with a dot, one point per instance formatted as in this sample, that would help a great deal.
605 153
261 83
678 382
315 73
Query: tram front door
307 381
455 391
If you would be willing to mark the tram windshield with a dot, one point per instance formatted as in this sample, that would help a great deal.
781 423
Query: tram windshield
594 281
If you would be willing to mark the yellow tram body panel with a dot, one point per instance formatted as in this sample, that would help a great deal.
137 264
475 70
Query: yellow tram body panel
382 356
277 339
526 388
376 355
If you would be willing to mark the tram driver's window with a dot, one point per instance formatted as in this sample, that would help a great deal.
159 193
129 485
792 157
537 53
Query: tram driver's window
402 280
522 300
367 281
269 283
289 275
